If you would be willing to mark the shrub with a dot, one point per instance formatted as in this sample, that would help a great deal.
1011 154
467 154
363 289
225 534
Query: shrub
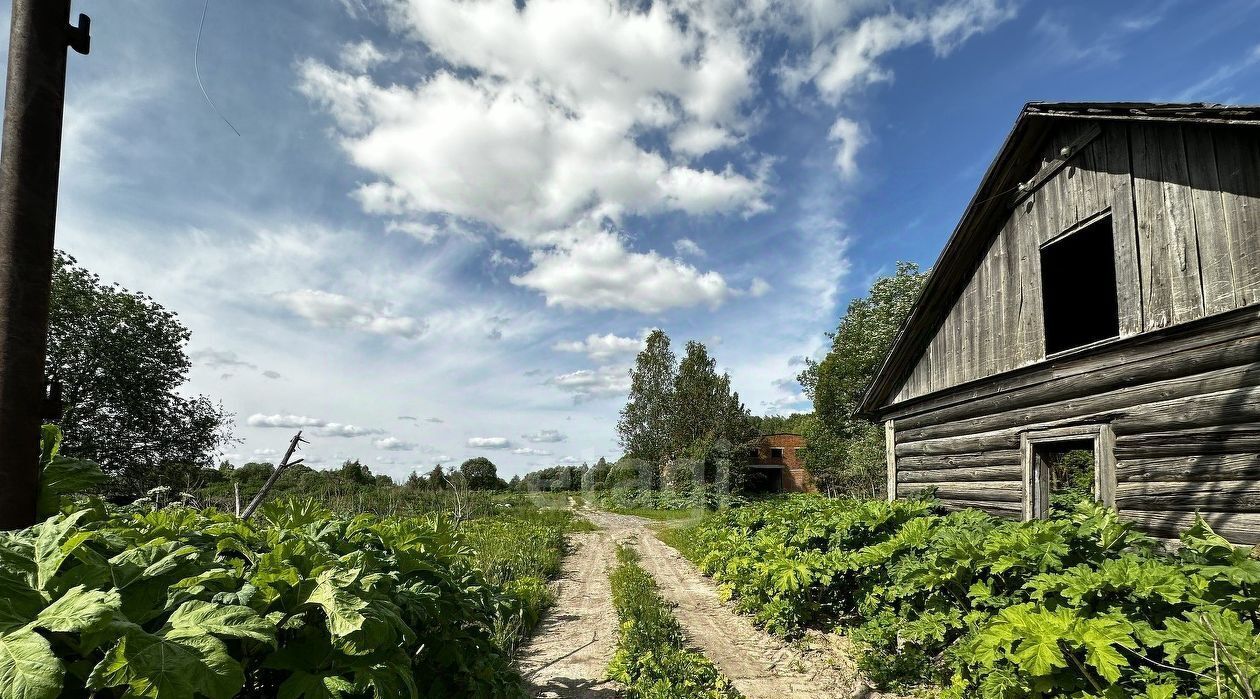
1080 605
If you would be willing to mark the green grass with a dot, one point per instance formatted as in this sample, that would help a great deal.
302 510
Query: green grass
651 659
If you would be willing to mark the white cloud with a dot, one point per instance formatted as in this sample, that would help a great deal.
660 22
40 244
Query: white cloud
688 248
394 444
544 436
587 384
530 451
436 420
266 452
326 309
336 429
849 139
600 273
286 421
602 347
489 443
362 56
759 287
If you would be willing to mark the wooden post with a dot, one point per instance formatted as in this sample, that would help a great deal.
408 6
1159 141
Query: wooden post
30 165
890 454
275 476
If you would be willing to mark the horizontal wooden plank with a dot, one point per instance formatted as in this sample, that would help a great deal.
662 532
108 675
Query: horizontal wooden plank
1215 342
1194 467
993 491
1192 384
1217 409
1236 439
1010 472
1238 527
1009 510
971 460
1217 496
1232 407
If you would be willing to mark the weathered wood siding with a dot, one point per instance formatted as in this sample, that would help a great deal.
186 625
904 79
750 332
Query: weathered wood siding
1183 403
1185 208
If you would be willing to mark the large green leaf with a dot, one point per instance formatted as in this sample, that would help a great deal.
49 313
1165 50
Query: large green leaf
341 607
165 668
80 610
196 618
28 668
57 539
307 686
62 476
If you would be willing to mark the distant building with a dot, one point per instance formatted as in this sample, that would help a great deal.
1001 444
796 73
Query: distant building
776 464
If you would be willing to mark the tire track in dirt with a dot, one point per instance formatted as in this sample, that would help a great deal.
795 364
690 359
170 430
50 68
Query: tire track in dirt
569 652
761 666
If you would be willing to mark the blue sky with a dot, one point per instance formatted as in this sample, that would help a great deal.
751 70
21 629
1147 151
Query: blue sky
444 226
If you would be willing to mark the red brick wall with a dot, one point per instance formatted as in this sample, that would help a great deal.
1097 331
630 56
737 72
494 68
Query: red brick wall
795 478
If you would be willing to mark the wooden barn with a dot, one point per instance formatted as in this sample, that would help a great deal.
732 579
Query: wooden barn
1100 295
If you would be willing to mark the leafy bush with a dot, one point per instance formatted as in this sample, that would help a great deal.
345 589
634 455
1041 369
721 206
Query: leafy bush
1080 605
182 603
651 658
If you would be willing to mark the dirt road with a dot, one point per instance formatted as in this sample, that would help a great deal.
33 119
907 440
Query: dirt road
571 648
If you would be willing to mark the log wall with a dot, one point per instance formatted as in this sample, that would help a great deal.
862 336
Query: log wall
1183 403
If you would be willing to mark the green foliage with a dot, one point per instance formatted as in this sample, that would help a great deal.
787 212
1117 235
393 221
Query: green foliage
1076 606
61 476
480 473
185 603
845 453
120 359
643 427
651 659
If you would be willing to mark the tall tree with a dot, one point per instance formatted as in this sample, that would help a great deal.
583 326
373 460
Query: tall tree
643 428
120 359
704 407
437 478
480 473
845 453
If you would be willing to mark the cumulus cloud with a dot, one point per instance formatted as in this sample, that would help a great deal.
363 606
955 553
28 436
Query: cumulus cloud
758 287
336 429
326 309
544 436
555 123
598 272
489 443
530 451
286 421
394 444
588 384
601 347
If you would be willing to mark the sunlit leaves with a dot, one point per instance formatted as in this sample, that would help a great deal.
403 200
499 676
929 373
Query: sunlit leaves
28 668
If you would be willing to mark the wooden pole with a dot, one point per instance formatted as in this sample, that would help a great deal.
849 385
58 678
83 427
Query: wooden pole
275 476
30 164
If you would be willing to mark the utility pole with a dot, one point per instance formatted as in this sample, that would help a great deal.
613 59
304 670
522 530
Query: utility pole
30 163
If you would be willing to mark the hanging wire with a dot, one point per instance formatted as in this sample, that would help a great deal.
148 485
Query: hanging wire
197 69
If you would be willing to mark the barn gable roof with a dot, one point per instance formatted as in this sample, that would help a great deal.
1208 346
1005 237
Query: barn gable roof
990 206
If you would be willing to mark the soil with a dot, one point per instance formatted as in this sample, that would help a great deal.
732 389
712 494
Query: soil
571 648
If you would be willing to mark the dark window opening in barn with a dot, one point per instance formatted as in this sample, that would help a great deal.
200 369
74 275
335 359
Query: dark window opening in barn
1065 475
776 453
1078 286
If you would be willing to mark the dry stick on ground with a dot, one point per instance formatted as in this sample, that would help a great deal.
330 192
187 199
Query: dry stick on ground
275 475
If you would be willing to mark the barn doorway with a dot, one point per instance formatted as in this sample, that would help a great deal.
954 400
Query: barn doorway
1066 466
